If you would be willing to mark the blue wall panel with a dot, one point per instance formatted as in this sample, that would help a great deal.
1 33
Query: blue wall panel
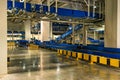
45 9
79 14
64 12
37 7
52 9
19 5
28 7
9 5
61 11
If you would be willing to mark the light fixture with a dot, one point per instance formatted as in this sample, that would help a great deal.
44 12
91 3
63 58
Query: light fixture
70 20
58 18
48 13
55 14
95 6
21 0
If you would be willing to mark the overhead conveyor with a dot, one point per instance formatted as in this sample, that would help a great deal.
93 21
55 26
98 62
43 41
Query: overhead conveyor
60 11
78 27
100 42
69 32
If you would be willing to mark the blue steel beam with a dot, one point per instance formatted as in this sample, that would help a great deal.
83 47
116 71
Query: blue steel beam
61 11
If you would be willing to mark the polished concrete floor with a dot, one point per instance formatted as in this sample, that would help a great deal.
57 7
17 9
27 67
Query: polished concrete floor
46 65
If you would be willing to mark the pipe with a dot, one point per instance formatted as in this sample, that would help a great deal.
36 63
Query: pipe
88 8
94 8
100 9
60 21
13 3
25 4
56 5
86 2
41 7
48 4
73 33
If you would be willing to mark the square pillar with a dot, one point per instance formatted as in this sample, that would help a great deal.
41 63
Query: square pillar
112 23
3 37
45 31
27 25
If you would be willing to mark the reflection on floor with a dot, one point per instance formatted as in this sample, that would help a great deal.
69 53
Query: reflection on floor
45 65
33 60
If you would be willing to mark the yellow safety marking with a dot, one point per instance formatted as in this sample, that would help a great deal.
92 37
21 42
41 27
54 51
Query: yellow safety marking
93 58
33 47
60 51
103 60
10 43
114 62
65 52
74 54
77 59
79 56
69 53
86 57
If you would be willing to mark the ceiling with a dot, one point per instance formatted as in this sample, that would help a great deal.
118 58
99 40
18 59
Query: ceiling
69 4
74 4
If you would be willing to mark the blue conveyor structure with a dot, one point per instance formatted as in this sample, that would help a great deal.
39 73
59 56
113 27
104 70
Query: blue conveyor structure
22 43
44 9
89 49
53 45
94 54
69 32
99 42
19 43
20 34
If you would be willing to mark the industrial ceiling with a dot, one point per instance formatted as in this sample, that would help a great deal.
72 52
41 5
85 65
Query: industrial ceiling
83 5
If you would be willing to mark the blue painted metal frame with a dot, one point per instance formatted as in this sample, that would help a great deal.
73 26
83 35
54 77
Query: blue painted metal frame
37 8
61 11
28 7
90 49
69 32
52 9
9 5
22 43
19 5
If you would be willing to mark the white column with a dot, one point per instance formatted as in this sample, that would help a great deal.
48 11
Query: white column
112 23
3 37
84 34
51 31
27 30
45 31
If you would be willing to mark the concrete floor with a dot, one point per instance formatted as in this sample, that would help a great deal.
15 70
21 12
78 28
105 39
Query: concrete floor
46 65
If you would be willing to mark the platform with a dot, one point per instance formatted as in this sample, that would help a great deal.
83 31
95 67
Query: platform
45 64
